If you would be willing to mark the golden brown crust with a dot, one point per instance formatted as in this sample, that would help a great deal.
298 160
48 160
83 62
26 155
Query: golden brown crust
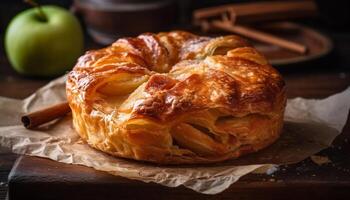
176 98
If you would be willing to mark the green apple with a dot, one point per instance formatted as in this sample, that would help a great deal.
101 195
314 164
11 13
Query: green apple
44 42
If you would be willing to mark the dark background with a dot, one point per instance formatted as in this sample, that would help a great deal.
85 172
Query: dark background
334 21
334 13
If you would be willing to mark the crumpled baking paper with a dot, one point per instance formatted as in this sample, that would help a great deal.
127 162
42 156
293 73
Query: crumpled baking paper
310 126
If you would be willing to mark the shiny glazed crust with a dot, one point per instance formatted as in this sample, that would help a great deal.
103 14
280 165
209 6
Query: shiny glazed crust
176 97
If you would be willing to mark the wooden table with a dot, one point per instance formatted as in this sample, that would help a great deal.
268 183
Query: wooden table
303 180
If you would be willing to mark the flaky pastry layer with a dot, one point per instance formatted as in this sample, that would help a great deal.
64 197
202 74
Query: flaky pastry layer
176 97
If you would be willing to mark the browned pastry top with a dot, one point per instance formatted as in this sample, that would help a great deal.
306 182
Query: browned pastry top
176 98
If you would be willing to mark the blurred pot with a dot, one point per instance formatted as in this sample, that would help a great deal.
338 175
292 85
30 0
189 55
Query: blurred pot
107 20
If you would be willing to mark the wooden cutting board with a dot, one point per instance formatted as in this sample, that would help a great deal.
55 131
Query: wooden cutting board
38 178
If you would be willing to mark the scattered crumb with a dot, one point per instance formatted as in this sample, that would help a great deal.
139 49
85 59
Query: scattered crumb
272 180
320 160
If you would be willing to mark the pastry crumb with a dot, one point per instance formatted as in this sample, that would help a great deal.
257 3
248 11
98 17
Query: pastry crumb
320 160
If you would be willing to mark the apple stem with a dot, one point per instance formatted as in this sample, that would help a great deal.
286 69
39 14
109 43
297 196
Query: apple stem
42 14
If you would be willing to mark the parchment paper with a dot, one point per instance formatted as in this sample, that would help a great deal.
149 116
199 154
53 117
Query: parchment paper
310 126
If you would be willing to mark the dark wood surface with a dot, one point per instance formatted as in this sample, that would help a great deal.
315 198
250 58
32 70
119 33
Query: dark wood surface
38 178
32 177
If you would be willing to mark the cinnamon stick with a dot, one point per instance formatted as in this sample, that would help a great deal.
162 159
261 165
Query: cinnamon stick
260 11
259 36
47 114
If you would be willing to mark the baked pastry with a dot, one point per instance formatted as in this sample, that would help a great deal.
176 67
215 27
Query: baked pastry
176 97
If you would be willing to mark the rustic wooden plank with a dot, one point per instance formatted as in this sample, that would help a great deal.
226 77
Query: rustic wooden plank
37 178
6 163
316 84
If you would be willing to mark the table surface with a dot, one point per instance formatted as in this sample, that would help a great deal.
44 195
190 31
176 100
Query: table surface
317 81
